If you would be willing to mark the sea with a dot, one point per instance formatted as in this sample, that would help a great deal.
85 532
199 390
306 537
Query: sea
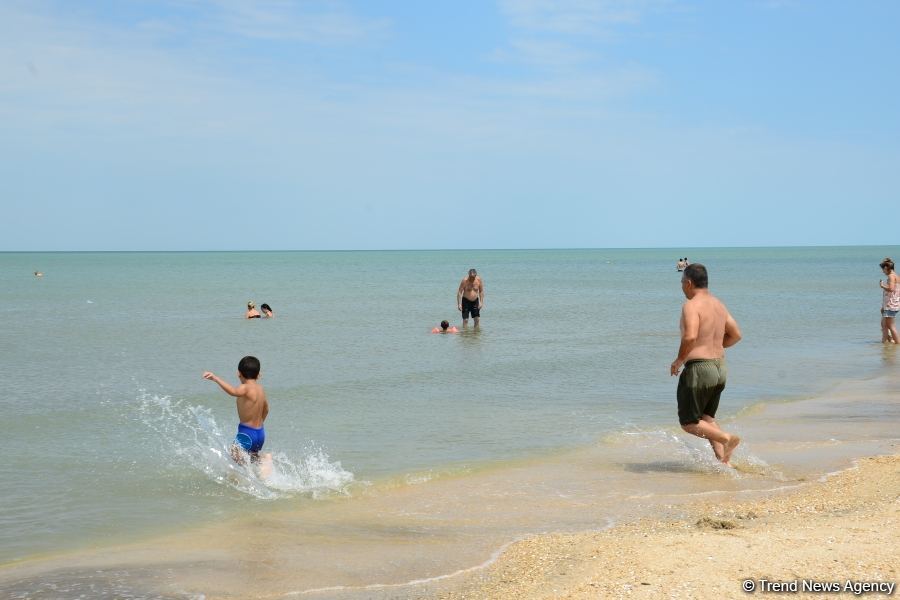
402 460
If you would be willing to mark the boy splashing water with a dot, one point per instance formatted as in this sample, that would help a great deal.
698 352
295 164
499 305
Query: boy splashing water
252 409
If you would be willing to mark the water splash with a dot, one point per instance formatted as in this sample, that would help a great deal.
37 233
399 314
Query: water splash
190 434
695 453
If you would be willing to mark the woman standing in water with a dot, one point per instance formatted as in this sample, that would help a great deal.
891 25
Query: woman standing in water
890 302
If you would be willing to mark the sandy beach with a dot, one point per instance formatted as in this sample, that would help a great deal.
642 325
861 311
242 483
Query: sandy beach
844 528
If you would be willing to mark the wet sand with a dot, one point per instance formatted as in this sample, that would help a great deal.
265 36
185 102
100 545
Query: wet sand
846 527
658 517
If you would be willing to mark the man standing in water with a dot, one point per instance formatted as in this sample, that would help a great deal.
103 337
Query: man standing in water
470 297
707 329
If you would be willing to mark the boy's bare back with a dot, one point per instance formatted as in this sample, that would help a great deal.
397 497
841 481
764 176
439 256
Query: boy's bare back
252 406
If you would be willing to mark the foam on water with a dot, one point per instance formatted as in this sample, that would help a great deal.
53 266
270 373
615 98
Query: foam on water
192 436
687 453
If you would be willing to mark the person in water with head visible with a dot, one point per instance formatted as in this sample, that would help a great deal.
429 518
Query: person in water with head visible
707 328
252 409
252 313
470 297
890 302
445 328
267 311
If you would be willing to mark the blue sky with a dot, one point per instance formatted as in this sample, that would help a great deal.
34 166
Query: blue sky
279 124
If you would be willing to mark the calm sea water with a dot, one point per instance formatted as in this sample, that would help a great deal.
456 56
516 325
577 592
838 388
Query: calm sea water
111 433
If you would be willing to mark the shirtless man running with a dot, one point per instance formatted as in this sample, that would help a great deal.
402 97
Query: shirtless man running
470 297
707 329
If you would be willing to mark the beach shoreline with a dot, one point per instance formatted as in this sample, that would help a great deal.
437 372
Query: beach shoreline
667 495
842 527
842 530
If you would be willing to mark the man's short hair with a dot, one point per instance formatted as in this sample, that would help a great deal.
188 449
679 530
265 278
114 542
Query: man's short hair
696 274
249 367
472 272
445 324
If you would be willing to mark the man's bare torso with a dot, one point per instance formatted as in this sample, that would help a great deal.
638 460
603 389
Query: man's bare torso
471 288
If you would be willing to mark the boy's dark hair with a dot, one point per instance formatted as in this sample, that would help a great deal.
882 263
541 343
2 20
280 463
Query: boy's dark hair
697 275
249 367
445 324
266 307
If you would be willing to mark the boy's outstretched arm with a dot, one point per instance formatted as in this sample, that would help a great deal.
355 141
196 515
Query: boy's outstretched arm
226 387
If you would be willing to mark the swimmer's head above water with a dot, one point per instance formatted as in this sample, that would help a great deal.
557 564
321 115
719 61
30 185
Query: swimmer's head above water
445 328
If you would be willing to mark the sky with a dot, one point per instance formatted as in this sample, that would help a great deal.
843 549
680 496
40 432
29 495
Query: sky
472 124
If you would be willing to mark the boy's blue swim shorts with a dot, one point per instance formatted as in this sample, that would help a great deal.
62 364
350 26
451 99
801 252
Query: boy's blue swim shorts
249 438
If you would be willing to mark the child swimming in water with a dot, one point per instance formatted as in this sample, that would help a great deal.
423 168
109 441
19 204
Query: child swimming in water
445 328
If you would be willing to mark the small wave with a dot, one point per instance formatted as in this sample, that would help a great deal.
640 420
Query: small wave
670 451
419 478
192 435
494 557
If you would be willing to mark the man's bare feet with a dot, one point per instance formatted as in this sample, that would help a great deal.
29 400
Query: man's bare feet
718 449
730 445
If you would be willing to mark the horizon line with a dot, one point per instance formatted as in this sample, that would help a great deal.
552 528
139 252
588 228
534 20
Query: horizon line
557 248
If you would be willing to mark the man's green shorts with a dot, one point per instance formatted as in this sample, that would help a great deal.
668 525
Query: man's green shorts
699 388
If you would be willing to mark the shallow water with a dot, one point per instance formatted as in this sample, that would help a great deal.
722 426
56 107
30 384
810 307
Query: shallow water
400 539
401 455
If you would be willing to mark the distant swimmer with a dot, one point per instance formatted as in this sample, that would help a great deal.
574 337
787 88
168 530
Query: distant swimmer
470 297
890 302
445 328
707 328
252 313
38 274
252 409
267 311
680 264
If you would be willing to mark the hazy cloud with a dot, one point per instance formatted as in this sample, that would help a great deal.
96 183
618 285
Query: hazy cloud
566 34
313 22
571 17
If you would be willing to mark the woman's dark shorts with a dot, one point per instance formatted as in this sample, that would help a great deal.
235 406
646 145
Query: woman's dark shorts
699 388
470 306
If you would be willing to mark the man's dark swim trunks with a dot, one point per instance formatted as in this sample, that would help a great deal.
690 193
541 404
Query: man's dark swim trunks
699 388
470 306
